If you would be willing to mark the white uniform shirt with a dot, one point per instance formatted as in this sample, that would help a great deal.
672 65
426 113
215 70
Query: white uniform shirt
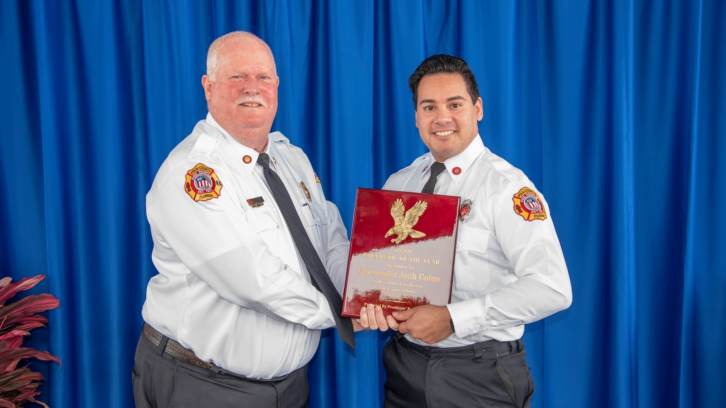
508 271
231 286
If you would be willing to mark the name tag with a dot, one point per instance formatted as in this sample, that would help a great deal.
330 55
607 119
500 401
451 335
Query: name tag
256 202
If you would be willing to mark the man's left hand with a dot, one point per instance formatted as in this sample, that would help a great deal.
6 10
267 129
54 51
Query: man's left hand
427 323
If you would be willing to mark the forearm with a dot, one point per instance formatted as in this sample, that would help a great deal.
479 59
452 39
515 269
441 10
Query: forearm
261 282
525 301
336 260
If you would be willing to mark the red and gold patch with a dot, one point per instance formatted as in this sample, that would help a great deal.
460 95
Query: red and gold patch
528 205
202 183
465 210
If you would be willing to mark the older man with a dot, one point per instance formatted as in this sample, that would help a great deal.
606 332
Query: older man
243 236
509 270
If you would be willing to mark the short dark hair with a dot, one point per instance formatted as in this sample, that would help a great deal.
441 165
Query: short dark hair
443 64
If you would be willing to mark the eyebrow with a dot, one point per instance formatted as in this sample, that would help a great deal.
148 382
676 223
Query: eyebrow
453 98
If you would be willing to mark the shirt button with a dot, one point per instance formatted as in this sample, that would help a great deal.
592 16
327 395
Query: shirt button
494 324
478 327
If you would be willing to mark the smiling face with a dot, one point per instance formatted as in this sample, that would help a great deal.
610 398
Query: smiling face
446 118
241 91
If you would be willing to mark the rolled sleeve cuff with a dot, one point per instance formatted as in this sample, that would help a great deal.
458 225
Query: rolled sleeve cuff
321 319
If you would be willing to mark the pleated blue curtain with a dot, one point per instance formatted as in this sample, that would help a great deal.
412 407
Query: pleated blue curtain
615 109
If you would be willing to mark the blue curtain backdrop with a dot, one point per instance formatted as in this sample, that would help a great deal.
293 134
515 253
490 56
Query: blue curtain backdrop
615 109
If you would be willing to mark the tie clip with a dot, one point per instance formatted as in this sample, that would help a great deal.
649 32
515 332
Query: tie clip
256 202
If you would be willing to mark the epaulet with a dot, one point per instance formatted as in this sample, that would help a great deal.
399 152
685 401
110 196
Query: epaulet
411 166
279 137
204 145
419 159
504 168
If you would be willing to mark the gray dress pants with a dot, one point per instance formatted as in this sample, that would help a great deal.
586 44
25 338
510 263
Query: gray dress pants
490 374
162 381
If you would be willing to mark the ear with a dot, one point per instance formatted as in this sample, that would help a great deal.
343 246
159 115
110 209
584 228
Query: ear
207 85
479 109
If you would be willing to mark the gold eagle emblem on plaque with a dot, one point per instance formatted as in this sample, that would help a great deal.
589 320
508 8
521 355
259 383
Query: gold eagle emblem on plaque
404 224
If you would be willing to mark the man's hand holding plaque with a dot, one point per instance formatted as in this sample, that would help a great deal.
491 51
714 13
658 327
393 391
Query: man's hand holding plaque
401 258
372 317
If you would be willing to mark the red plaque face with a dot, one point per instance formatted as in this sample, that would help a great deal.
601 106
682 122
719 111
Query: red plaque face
402 250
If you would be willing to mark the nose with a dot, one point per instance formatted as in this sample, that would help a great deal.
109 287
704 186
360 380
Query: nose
442 117
251 87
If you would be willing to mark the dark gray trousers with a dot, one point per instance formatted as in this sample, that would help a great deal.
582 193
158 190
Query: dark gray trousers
161 381
491 374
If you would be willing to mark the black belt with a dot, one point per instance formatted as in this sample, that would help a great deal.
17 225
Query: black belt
484 350
176 350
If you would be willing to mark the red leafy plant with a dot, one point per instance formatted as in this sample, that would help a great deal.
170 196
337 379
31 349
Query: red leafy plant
18 385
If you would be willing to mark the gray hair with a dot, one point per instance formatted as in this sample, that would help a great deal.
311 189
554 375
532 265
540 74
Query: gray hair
213 53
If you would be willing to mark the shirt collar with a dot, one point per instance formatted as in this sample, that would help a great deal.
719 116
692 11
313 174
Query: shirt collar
458 165
246 155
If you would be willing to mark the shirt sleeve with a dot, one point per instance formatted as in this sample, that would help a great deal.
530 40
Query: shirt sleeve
221 247
541 285
338 245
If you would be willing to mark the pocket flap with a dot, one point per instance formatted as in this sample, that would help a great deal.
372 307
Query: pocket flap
472 239
262 219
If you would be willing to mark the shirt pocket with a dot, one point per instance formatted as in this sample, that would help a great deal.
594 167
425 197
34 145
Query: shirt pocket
263 221
311 217
315 222
472 264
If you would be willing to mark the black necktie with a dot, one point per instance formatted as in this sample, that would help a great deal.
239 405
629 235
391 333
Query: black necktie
436 169
320 277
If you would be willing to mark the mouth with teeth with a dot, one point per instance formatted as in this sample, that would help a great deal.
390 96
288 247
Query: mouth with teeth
443 133
251 104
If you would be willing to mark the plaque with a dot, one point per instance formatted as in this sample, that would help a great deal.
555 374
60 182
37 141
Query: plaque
401 250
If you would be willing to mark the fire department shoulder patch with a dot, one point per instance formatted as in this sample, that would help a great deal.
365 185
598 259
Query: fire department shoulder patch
528 205
202 183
